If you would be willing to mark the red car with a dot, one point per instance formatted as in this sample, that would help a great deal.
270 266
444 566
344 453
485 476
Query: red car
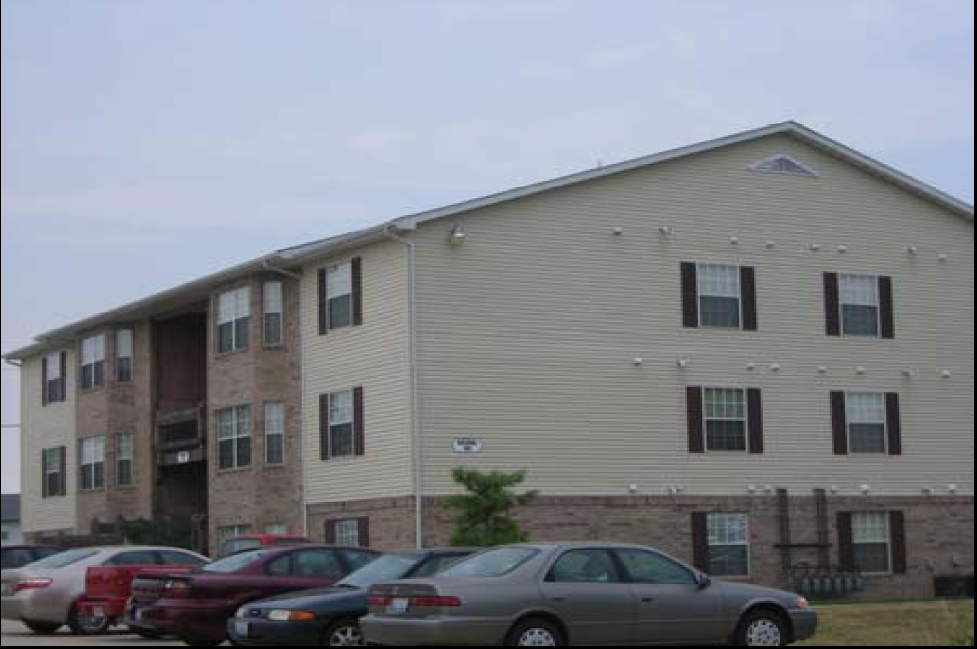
108 588
196 607
247 542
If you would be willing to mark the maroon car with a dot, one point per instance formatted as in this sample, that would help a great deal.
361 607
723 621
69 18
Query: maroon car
196 607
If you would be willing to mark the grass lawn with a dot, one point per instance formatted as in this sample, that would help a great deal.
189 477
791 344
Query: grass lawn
924 624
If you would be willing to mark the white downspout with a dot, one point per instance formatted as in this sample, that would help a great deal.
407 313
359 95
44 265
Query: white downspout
417 459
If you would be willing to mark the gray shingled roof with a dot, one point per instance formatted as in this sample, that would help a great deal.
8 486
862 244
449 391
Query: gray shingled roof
11 509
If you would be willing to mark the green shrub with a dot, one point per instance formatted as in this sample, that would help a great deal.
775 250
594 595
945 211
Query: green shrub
484 518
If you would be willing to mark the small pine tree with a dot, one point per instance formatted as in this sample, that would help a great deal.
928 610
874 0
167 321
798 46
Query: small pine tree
484 517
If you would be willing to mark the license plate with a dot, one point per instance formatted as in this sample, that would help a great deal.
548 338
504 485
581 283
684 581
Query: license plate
242 629
6 590
398 607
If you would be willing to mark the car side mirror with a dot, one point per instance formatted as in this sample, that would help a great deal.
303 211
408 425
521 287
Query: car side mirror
703 581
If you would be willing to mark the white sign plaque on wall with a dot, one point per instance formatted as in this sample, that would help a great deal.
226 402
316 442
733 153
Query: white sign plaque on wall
469 446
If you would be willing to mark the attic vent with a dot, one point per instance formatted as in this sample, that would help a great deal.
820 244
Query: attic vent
783 164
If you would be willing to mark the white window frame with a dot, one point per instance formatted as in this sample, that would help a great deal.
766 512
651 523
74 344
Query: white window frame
335 423
701 292
706 418
856 541
53 456
727 544
274 426
125 453
339 288
92 454
93 354
234 432
273 304
842 303
850 421
124 338
347 532
234 307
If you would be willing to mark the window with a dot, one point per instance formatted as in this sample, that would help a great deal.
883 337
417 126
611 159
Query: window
317 564
339 287
277 529
720 296
726 419
860 305
234 321
491 564
174 558
229 532
341 430
347 533
273 307
55 482
275 433
867 432
783 164
93 362
357 559
873 548
125 455
123 355
729 545
137 558
234 438
54 375
93 463
650 568
585 567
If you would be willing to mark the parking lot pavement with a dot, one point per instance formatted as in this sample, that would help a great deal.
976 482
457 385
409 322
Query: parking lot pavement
16 635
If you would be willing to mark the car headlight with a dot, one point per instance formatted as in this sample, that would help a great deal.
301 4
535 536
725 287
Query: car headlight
803 604
291 616
242 612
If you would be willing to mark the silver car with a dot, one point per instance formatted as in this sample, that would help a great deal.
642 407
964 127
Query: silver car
44 595
582 594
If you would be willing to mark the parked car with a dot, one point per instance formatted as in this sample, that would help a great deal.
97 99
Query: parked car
330 616
195 608
248 542
581 594
108 588
44 596
13 557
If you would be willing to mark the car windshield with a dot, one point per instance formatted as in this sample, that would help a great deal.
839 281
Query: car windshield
65 559
387 568
237 562
494 563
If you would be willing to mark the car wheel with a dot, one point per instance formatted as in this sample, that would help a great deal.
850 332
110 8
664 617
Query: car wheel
42 628
763 629
84 625
536 633
345 633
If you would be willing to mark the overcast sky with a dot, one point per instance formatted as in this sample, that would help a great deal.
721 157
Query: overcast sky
146 143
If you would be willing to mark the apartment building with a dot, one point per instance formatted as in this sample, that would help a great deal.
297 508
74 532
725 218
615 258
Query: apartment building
755 353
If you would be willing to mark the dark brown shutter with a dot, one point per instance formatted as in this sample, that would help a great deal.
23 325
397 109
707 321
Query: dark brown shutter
839 422
893 415
324 450
323 302
751 315
897 534
887 303
44 489
755 404
331 532
846 543
357 272
359 423
832 303
64 377
700 542
63 455
45 372
697 438
364 531
690 295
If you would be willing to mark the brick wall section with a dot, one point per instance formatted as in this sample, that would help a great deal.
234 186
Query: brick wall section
939 530
119 409
258 495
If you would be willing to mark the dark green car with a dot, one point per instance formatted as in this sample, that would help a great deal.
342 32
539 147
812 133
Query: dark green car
330 616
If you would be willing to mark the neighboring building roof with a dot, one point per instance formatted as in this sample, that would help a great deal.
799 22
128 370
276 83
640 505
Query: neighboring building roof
10 506
292 258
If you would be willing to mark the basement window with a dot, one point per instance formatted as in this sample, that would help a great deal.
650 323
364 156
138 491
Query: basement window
873 546
729 545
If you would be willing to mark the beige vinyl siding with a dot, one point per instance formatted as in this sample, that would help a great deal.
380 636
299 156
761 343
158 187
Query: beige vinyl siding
45 428
527 333
375 356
